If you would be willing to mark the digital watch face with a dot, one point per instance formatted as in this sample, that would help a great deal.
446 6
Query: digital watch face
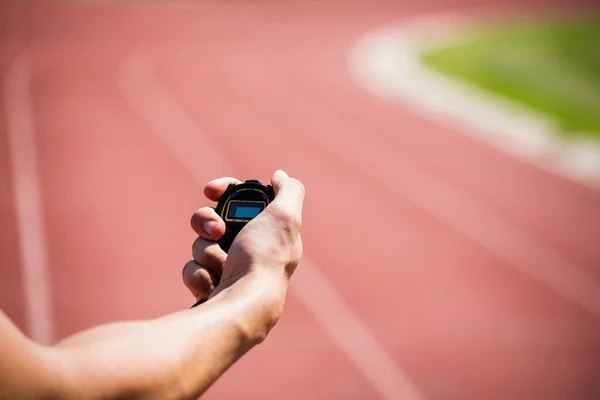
239 205
242 211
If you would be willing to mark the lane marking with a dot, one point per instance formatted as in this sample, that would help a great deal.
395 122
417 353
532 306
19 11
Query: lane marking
348 331
28 201
445 202
168 120
460 211
386 63
176 128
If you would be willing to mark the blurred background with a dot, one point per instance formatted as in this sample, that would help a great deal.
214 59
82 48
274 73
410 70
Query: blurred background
439 263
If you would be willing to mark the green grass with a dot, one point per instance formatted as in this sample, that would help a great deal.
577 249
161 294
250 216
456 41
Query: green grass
552 66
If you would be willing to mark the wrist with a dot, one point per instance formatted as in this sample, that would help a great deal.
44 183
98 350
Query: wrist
260 296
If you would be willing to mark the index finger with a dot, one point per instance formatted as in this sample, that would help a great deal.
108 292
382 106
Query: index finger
215 188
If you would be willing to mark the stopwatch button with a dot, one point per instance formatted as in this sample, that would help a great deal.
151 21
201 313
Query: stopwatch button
252 181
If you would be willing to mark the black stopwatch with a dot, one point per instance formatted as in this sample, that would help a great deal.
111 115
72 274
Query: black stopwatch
239 205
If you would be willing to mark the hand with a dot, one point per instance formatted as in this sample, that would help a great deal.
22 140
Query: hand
269 246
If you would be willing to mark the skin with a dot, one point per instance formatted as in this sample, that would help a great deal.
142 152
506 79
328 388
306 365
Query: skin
180 355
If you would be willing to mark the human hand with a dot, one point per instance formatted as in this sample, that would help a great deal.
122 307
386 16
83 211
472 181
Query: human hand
268 247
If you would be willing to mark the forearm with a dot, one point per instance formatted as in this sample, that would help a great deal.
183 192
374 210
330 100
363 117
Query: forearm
175 357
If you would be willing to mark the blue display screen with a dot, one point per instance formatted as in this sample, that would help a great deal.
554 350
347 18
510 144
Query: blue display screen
245 211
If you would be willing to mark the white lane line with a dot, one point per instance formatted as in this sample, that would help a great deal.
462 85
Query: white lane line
442 200
28 201
183 137
348 331
447 203
385 62
456 208
169 121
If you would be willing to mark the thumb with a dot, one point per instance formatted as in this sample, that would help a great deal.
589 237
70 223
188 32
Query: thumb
289 193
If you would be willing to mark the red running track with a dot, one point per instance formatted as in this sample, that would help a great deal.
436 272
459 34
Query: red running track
436 267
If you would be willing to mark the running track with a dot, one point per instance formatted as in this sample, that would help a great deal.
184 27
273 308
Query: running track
436 267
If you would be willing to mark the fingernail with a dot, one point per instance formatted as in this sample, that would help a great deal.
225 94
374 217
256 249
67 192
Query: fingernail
209 227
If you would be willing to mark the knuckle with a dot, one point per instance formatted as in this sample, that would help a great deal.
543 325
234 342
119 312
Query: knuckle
196 220
286 216
207 253
212 253
197 279
188 271
189 268
298 221
197 214
299 185
198 246
202 277
293 221
201 215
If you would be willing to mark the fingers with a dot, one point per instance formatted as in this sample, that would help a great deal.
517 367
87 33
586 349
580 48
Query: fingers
203 273
207 224
199 280
209 255
214 189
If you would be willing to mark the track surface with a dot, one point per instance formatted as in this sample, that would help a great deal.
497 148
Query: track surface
133 105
